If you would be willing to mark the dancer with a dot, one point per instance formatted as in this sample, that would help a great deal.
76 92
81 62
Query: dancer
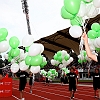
72 82
22 82
91 55
31 80
96 78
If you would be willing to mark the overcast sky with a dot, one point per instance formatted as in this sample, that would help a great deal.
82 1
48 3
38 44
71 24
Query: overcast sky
44 16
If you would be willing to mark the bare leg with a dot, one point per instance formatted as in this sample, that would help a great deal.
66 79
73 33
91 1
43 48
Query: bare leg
21 94
99 93
71 93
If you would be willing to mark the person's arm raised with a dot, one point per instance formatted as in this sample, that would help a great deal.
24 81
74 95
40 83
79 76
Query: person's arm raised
88 51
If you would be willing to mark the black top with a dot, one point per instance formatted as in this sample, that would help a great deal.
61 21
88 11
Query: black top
98 58
96 77
23 76
72 78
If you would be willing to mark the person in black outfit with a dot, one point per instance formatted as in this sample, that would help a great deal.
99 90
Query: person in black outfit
72 82
22 82
89 53
96 80
31 80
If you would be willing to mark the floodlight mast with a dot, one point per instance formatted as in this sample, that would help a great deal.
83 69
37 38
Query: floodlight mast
26 11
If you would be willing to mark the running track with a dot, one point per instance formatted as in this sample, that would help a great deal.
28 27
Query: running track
52 92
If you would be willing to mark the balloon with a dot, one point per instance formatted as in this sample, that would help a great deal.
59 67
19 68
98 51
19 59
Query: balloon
44 59
92 34
55 57
92 48
96 3
66 57
72 6
14 68
52 61
95 44
60 58
13 61
59 53
35 69
95 27
42 48
27 40
98 41
14 42
61 66
28 60
76 21
90 41
34 49
3 34
6 56
15 52
63 52
87 1
91 11
36 60
82 10
23 66
65 14
27 49
75 31
4 46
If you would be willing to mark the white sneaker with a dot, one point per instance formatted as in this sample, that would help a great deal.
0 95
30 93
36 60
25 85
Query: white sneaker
23 98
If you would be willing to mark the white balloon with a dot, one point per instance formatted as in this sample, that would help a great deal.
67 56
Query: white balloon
75 31
90 41
95 43
42 48
61 66
35 69
71 59
23 66
92 11
4 46
82 10
25 55
97 40
34 49
14 68
63 53
96 3
44 59
6 56
52 61
64 61
92 48
27 40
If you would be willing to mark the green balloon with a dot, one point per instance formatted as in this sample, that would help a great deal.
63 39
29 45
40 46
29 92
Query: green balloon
95 27
15 52
59 53
65 14
97 49
66 57
60 58
28 60
92 34
76 21
55 57
72 6
43 64
9 59
87 1
27 49
14 42
36 60
3 34
99 33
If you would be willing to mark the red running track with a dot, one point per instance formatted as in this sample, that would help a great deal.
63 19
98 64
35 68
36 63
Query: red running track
52 92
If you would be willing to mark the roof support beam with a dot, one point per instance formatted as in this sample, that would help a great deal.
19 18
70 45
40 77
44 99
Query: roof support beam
68 36
55 43
50 50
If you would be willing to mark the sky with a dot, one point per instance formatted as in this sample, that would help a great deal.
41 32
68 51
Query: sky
45 18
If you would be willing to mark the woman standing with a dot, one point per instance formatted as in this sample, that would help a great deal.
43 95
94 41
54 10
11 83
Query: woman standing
31 80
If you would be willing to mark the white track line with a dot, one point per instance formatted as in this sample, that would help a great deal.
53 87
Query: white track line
15 97
34 94
53 93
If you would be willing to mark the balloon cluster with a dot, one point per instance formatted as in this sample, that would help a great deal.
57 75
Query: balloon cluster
82 57
77 11
51 74
61 58
43 72
66 71
20 59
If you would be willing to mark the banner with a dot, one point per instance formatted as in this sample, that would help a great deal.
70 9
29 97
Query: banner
6 87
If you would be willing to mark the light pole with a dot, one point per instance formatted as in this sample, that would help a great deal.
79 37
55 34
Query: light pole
26 11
